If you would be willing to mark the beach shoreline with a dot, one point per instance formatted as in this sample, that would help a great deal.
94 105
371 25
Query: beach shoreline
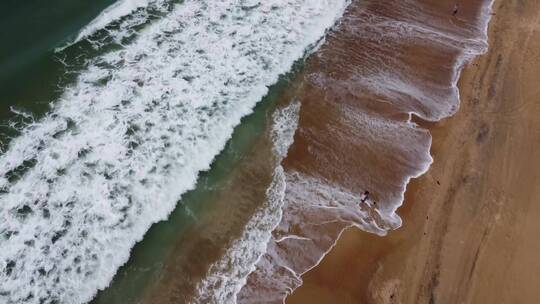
468 228
136 169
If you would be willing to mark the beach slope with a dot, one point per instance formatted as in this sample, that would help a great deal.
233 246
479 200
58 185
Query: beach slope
470 228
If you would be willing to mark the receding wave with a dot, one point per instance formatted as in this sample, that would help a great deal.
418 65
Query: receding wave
121 145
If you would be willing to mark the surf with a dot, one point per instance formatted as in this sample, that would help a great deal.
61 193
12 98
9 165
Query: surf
80 186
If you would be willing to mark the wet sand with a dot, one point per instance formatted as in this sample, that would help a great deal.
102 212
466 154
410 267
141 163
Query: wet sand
385 60
470 223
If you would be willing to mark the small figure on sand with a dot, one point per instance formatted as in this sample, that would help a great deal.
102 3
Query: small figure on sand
456 9
364 197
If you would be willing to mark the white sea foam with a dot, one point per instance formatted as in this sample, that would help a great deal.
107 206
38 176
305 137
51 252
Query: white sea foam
227 276
114 13
80 186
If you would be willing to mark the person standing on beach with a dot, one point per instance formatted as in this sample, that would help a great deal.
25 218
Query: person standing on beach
456 9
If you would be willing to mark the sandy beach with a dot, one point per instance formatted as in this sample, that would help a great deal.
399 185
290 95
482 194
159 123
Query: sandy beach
470 223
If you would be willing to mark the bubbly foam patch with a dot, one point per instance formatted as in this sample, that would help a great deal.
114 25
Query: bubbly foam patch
227 276
80 186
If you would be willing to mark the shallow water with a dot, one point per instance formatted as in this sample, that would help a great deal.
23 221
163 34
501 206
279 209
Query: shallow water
387 60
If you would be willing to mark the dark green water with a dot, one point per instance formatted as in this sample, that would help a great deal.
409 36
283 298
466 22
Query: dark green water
29 69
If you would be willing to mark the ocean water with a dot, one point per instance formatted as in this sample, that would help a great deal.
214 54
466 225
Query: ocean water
161 151
29 71
136 104
148 258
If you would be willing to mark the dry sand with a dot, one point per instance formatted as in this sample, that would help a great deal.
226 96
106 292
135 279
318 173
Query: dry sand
471 228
